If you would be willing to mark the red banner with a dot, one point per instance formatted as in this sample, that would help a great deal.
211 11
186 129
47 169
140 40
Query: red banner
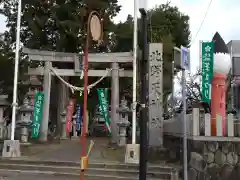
70 110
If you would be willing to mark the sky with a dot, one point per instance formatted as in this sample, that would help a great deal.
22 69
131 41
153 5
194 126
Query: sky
222 17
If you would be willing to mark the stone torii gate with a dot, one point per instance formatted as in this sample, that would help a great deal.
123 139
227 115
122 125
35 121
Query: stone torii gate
48 57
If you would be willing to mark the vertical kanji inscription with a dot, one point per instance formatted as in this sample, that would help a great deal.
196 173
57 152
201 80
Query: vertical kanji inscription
155 73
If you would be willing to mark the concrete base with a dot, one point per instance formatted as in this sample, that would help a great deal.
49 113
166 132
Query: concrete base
11 149
132 154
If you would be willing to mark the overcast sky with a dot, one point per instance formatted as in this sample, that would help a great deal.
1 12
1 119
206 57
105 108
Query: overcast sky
222 17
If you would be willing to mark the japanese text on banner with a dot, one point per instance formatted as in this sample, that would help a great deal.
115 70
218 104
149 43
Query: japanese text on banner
207 70
78 117
104 107
37 115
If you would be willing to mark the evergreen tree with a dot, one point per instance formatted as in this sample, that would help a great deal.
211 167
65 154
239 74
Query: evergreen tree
57 25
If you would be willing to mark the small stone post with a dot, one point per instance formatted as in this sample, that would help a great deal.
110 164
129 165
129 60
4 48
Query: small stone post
75 135
174 174
63 125
9 129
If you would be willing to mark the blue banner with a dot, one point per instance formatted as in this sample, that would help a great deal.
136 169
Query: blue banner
78 117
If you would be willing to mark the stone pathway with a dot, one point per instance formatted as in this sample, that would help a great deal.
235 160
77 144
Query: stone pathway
66 150
70 150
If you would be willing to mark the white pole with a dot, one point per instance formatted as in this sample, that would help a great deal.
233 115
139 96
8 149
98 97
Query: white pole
135 33
184 126
184 97
14 104
200 59
231 82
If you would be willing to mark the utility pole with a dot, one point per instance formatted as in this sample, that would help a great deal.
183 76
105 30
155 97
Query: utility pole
143 113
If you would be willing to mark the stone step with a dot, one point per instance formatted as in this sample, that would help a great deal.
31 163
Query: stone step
74 170
48 175
162 167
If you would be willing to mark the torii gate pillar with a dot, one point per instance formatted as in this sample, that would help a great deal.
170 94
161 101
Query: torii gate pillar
47 91
114 102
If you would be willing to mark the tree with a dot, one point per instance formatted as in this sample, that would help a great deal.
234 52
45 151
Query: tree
168 20
7 58
123 36
193 93
171 27
6 67
167 25
164 21
60 25
56 25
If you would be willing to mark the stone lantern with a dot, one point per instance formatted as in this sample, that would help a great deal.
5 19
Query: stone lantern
3 105
25 114
123 122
